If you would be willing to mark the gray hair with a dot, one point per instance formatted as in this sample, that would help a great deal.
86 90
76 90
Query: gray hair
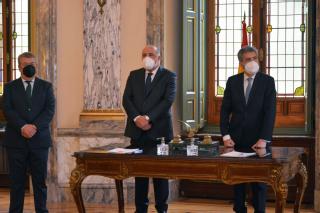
155 48
25 55
246 49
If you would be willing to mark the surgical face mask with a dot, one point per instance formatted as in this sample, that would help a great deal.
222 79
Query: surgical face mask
252 67
29 71
148 63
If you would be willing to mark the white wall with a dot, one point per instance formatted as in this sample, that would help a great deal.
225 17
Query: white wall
133 36
69 62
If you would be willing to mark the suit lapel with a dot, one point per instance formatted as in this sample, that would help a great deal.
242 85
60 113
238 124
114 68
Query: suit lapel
35 90
240 88
141 78
21 90
156 79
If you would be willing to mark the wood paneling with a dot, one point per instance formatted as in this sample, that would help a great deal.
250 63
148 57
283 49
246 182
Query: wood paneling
290 112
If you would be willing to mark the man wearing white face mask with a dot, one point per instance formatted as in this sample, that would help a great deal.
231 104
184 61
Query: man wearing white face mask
147 99
247 118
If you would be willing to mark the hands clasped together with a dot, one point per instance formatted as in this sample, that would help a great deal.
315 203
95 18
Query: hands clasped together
142 121
28 130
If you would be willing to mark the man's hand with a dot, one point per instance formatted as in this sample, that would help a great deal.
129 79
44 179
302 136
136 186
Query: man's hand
228 149
261 152
147 127
142 123
28 130
228 143
260 144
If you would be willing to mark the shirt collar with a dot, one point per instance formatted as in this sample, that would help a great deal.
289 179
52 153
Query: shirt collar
31 81
246 76
154 72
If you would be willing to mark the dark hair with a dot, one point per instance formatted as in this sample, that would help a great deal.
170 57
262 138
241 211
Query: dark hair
25 55
246 49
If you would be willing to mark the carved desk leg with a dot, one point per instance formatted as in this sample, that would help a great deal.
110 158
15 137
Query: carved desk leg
302 179
281 197
280 189
76 178
119 186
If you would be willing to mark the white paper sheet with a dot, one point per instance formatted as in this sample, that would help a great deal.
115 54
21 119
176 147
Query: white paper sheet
236 154
124 151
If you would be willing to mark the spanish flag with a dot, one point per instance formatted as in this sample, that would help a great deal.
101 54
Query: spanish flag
244 40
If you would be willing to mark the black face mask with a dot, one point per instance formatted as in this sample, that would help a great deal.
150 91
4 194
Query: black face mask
29 71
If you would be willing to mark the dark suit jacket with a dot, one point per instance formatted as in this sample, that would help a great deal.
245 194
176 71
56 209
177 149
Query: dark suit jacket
156 104
247 123
18 112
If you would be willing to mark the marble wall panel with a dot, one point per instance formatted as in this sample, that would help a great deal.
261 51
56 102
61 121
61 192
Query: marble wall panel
102 55
155 24
45 47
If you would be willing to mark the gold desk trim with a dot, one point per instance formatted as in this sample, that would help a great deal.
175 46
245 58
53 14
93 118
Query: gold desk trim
113 115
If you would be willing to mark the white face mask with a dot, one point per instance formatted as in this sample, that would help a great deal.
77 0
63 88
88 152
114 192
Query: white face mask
252 67
148 63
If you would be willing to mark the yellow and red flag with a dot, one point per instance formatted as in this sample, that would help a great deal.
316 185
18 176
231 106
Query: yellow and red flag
244 40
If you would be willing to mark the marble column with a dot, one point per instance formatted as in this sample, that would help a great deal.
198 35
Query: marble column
45 47
317 108
155 22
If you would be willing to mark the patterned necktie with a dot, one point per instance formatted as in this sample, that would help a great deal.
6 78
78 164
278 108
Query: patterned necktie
28 90
148 82
248 89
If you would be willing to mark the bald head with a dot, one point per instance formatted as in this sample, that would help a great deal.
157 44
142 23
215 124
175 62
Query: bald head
151 48
152 52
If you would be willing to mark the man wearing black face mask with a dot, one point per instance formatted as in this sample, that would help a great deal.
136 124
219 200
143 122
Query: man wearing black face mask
29 106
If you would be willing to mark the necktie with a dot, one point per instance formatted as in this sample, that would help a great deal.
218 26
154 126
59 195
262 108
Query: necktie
28 90
148 82
248 89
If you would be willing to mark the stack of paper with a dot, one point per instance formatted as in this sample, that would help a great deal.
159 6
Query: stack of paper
236 154
124 151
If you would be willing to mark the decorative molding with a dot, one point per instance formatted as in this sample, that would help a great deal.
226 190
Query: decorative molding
113 115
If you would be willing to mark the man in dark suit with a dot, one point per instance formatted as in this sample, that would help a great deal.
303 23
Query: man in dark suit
147 99
29 106
247 118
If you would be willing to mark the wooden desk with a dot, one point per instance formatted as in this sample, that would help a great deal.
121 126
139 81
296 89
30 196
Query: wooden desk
275 170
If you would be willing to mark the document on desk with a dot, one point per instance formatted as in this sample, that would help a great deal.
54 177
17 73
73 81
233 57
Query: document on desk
124 151
236 154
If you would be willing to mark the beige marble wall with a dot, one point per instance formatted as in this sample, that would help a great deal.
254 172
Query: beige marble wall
101 55
155 23
45 47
